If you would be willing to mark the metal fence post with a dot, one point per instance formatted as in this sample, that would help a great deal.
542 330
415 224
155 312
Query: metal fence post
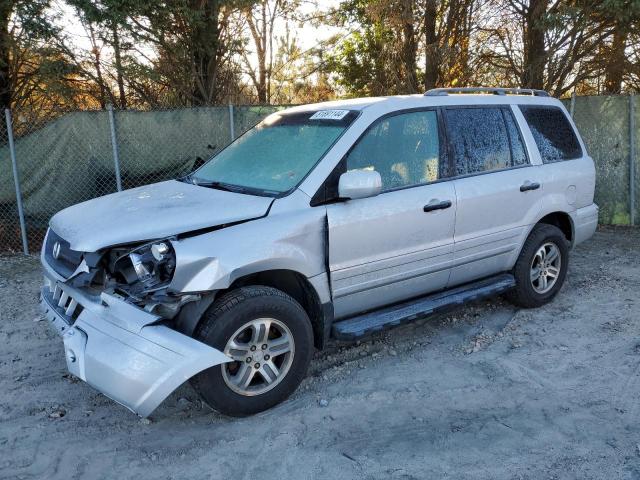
632 159
572 105
16 179
114 147
232 126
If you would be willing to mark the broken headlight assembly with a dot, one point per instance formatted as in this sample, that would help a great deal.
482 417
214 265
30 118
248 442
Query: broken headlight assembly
143 269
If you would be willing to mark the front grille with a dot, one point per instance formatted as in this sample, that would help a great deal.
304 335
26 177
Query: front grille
59 301
67 260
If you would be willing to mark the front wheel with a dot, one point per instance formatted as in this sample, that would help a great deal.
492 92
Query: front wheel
541 267
270 339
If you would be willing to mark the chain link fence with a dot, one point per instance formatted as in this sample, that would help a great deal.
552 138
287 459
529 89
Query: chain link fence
610 127
69 157
63 158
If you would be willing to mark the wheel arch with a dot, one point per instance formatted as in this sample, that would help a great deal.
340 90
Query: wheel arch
291 282
558 218
563 221
301 290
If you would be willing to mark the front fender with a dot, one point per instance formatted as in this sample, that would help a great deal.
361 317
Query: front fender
286 241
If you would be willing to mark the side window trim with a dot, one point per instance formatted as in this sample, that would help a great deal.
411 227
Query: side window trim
507 111
445 147
450 151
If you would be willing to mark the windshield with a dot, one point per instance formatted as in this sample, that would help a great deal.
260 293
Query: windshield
275 155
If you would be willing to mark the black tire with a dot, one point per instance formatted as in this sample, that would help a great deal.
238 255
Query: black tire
524 294
230 313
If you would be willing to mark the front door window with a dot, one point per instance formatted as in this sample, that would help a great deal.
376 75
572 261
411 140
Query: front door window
403 148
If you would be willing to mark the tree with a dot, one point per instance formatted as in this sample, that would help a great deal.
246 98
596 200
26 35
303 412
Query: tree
299 76
108 17
24 24
544 44
382 54
449 27
623 18
193 45
207 52
196 40
261 19
379 55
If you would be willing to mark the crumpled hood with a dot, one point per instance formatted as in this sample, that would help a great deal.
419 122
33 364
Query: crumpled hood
150 212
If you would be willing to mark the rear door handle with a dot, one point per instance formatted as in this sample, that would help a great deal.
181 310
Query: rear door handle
436 205
526 186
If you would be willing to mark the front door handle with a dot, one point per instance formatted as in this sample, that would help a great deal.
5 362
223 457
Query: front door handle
436 205
526 186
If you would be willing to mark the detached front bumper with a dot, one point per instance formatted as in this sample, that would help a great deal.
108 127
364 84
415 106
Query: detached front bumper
116 348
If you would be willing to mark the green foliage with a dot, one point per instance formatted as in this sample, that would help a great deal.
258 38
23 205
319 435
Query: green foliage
149 53
359 62
367 60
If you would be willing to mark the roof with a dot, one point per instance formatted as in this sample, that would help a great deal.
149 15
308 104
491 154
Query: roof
399 102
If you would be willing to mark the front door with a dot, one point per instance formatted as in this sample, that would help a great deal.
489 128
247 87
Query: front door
398 244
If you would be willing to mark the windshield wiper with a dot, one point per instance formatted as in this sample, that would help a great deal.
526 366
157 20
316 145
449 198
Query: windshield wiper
229 187
217 185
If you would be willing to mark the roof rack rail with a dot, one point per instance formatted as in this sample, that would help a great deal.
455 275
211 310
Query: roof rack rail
439 92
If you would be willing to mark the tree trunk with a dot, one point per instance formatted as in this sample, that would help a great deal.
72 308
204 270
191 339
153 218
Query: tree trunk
6 88
615 61
205 36
96 64
119 76
431 46
262 93
260 38
409 48
535 55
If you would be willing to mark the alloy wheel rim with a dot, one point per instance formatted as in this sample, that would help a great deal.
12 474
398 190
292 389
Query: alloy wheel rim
545 267
262 351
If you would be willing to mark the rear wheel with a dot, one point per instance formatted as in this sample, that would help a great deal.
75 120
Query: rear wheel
541 267
269 337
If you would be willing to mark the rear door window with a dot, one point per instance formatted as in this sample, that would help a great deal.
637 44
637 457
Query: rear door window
552 133
484 139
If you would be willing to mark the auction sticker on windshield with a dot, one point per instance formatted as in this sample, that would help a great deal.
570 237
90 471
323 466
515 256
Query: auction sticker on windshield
329 115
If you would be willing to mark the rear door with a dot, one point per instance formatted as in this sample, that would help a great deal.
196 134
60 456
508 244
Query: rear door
399 244
569 171
498 190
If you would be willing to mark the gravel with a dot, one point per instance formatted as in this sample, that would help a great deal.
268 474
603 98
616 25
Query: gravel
487 391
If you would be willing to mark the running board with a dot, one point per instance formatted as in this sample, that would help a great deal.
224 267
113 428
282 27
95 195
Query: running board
363 325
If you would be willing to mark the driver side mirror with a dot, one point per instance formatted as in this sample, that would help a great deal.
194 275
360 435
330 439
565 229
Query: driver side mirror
359 184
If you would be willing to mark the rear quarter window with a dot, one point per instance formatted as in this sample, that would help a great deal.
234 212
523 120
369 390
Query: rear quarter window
552 133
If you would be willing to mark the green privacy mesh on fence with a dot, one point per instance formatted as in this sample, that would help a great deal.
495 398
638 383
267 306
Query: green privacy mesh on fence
70 158
9 222
603 123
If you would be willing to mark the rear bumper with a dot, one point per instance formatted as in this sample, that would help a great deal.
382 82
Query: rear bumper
585 221
116 348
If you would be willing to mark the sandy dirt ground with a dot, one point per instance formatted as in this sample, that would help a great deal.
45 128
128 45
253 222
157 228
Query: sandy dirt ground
485 392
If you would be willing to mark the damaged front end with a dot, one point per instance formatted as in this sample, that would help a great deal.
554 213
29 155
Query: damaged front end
115 314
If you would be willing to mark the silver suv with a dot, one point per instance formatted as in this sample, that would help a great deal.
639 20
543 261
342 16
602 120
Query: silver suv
334 220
